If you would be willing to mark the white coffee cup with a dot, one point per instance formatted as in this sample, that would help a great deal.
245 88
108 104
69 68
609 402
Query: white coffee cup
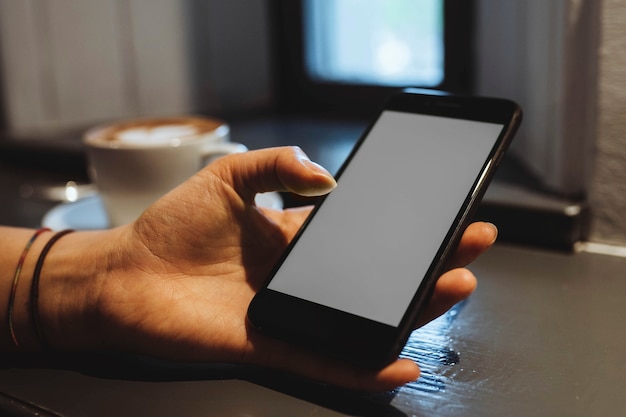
134 163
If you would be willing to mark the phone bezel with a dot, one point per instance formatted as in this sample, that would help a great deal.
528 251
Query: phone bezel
361 341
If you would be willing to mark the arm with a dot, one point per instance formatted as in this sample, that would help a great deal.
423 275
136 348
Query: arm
176 283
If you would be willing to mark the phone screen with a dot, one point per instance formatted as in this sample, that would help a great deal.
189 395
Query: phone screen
372 241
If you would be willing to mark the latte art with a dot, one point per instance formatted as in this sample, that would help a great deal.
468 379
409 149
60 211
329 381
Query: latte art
156 135
158 132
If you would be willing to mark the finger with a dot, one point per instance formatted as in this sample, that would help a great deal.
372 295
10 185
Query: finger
289 219
323 370
452 287
286 357
274 169
477 238
398 373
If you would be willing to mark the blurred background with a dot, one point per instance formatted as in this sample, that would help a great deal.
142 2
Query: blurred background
312 73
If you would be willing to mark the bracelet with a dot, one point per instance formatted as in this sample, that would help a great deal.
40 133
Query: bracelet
16 279
34 289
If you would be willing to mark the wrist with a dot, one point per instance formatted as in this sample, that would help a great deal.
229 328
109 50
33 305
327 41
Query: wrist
70 279
19 333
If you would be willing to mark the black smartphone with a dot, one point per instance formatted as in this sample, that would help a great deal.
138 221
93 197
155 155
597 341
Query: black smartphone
353 281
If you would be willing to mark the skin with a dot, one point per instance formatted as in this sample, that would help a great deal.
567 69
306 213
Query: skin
177 282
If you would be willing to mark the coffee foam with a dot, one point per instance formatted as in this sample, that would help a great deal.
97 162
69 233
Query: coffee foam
161 131
155 135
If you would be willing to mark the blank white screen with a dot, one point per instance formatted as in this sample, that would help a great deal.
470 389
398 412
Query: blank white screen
372 241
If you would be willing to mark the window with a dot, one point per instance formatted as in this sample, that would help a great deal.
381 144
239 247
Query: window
389 42
342 57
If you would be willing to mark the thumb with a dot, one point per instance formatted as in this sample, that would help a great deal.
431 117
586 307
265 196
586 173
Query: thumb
275 169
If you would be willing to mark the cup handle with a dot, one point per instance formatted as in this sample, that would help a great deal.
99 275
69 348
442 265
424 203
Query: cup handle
212 151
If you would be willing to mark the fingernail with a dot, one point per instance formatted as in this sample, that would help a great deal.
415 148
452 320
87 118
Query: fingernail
326 182
494 228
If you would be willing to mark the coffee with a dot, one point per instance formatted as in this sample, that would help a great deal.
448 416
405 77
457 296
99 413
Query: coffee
133 163
169 131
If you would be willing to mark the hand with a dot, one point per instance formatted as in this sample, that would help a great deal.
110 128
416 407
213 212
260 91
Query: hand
176 284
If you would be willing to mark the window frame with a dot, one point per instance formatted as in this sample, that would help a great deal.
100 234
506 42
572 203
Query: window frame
296 92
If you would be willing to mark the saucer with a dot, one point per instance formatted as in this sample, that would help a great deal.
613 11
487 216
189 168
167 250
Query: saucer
88 213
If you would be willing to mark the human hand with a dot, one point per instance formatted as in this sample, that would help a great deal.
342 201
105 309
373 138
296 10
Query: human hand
176 284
